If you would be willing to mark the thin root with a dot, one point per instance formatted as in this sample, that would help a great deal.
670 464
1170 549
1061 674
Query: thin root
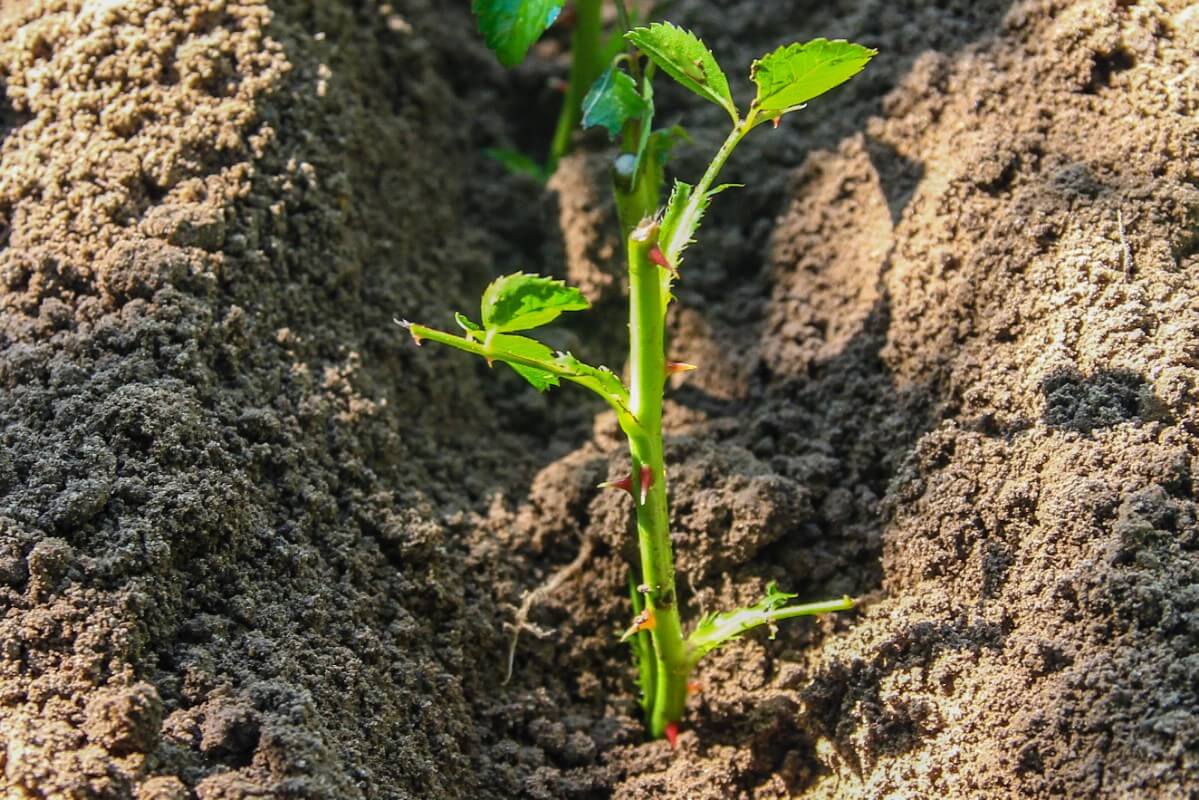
521 622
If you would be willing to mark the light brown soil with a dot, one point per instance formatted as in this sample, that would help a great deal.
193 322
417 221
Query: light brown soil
255 544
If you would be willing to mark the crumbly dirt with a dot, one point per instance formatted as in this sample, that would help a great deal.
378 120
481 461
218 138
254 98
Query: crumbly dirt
255 544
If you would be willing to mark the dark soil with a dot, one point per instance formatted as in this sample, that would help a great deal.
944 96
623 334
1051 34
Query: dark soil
255 544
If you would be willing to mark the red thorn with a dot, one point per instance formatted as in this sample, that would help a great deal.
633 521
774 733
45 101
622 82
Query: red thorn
625 483
694 687
776 122
672 734
675 367
658 257
559 85
647 480
417 339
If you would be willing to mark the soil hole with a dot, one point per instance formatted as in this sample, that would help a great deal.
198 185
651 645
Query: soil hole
1107 65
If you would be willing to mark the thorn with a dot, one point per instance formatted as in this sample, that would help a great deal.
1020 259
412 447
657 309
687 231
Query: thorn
776 122
558 85
644 621
675 367
647 480
672 734
625 483
694 687
658 257
490 362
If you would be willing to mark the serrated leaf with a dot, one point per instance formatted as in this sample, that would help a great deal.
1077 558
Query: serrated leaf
520 302
688 60
795 73
527 348
605 381
511 26
682 219
536 363
612 101
774 598
672 219
715 630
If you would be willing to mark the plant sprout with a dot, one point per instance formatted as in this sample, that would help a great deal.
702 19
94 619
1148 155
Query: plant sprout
621 100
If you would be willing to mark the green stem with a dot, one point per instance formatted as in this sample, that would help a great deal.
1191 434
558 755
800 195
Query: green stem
643 647
491 352
586 64
694 208
647 355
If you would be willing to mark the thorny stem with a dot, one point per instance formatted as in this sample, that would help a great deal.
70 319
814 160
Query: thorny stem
647 356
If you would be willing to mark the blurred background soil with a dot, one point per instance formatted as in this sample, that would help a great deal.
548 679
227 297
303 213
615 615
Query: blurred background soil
253 543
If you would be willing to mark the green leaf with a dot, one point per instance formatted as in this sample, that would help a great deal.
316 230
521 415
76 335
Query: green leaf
517 163
603 380
686 59
535 362
511 26
612 101
680 222
774 598
465 324
682 219
795 73
520 302
663 141
527 348
727 626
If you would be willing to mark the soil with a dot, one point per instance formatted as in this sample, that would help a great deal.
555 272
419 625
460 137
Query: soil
255 544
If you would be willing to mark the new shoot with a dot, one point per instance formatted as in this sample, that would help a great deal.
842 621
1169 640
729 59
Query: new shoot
621 100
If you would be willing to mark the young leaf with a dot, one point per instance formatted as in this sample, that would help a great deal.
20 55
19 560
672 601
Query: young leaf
612 101
511 26
465 323
682 219
795 73
528 348
717 629
520 302
663 141
675 235
601 380
686 59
